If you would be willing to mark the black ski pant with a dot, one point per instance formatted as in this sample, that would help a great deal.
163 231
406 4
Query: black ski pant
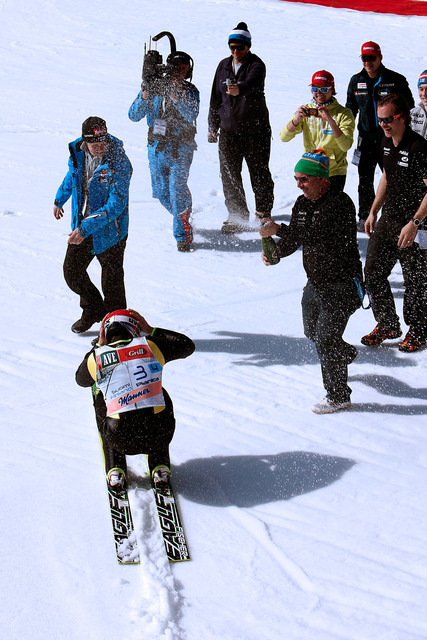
254 148
381 256
77 260
325 315
370 157
136 432
337 182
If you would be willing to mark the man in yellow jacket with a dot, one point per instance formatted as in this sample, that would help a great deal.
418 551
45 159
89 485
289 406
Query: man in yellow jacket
324 123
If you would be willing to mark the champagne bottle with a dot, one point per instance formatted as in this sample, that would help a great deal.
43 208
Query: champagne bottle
270 250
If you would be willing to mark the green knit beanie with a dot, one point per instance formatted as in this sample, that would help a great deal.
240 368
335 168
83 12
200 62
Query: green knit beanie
314 163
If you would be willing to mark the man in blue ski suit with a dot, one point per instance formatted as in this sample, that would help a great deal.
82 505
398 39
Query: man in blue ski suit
98 178
171 107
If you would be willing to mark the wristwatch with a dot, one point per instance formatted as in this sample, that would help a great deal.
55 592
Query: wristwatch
416 222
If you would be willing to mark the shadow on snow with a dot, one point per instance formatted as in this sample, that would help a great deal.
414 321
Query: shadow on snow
247 481
389 386
265 350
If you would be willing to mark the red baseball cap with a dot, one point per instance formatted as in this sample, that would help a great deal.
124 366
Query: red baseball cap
322 79
371 49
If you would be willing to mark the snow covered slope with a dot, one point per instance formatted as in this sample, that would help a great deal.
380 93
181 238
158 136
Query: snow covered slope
300 526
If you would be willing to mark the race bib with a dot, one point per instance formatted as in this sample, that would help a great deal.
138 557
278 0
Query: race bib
129 377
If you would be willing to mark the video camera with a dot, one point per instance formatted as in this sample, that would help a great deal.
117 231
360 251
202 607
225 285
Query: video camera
155 74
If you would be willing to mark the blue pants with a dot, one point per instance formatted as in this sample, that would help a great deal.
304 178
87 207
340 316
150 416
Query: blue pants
169 177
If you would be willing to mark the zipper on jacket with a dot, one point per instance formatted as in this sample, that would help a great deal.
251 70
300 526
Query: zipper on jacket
374 101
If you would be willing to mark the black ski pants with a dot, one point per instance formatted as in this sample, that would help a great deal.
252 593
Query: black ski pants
381 256
370 157
136 432
325 315
254 148
77 260
337 182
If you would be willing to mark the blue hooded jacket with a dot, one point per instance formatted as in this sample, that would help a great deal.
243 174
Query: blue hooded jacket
108 221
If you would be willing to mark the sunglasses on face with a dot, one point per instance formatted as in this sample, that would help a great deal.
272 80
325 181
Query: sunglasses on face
237 47
368 58
303 179
389 119
321 89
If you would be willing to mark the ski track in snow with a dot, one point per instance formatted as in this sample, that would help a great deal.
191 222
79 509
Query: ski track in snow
260 532
299 526
156 607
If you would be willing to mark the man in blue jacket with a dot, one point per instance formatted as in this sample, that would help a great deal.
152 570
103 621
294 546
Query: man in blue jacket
98 178
171 106
365 88
239 112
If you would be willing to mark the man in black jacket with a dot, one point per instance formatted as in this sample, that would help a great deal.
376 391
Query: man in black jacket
402 195
239 112
324 222
365 88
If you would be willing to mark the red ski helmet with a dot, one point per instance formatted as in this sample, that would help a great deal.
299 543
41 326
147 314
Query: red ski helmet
121 319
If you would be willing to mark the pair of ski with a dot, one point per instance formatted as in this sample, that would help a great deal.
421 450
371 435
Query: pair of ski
170 526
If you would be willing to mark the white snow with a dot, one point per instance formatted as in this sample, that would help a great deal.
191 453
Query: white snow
300 526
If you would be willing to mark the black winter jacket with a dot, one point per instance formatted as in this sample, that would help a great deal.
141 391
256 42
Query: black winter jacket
326 229
239 114
364 92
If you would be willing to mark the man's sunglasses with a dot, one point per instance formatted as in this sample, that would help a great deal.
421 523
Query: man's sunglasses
321 89
368 58
303 179
237 47
389 119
